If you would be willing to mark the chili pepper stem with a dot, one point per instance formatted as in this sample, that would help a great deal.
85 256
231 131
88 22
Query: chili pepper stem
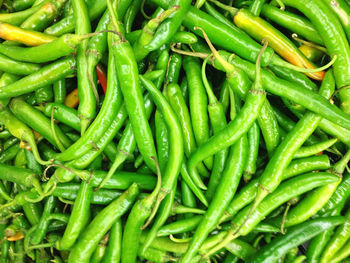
308 43
280 62
233 233
44 245
284 217
179 240
211 96
228 67
161 195
188 53
227 8
82 174
151 198
155 22
34 148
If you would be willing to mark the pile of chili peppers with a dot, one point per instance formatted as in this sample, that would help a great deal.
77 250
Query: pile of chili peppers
174 131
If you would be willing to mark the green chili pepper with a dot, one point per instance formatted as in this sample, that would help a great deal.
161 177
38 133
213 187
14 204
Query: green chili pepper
20 176
218 121
285 192
22 132
130 14
134 224
198 101
40 230
168 28
44 76
18 17
99 253
256 6
57 48
87 100
294 236
44 16
113 252
341 8
232 132
88 240
108 111
16 67
253 143
147 33
334 39
79 218
130 87
293 22
314 149
340 237
173 166
63 114
342 254
37 121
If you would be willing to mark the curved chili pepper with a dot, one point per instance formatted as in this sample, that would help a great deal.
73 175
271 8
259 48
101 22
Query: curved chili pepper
293 22
113 252
18 17
53 50
44 76
130 87
135 222
294 237
334 38
79 217
146 36
87 242
38 121
16 67
20 5
173 166
104 119
44 16
168 28
295 186
95 8
20 176
340 237
259 29
130 14
40 230
22 132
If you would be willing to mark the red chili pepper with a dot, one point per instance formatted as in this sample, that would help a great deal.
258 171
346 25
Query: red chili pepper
101 75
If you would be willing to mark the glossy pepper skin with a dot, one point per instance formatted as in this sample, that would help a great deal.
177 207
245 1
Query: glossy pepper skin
295 236
334 38
259 29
